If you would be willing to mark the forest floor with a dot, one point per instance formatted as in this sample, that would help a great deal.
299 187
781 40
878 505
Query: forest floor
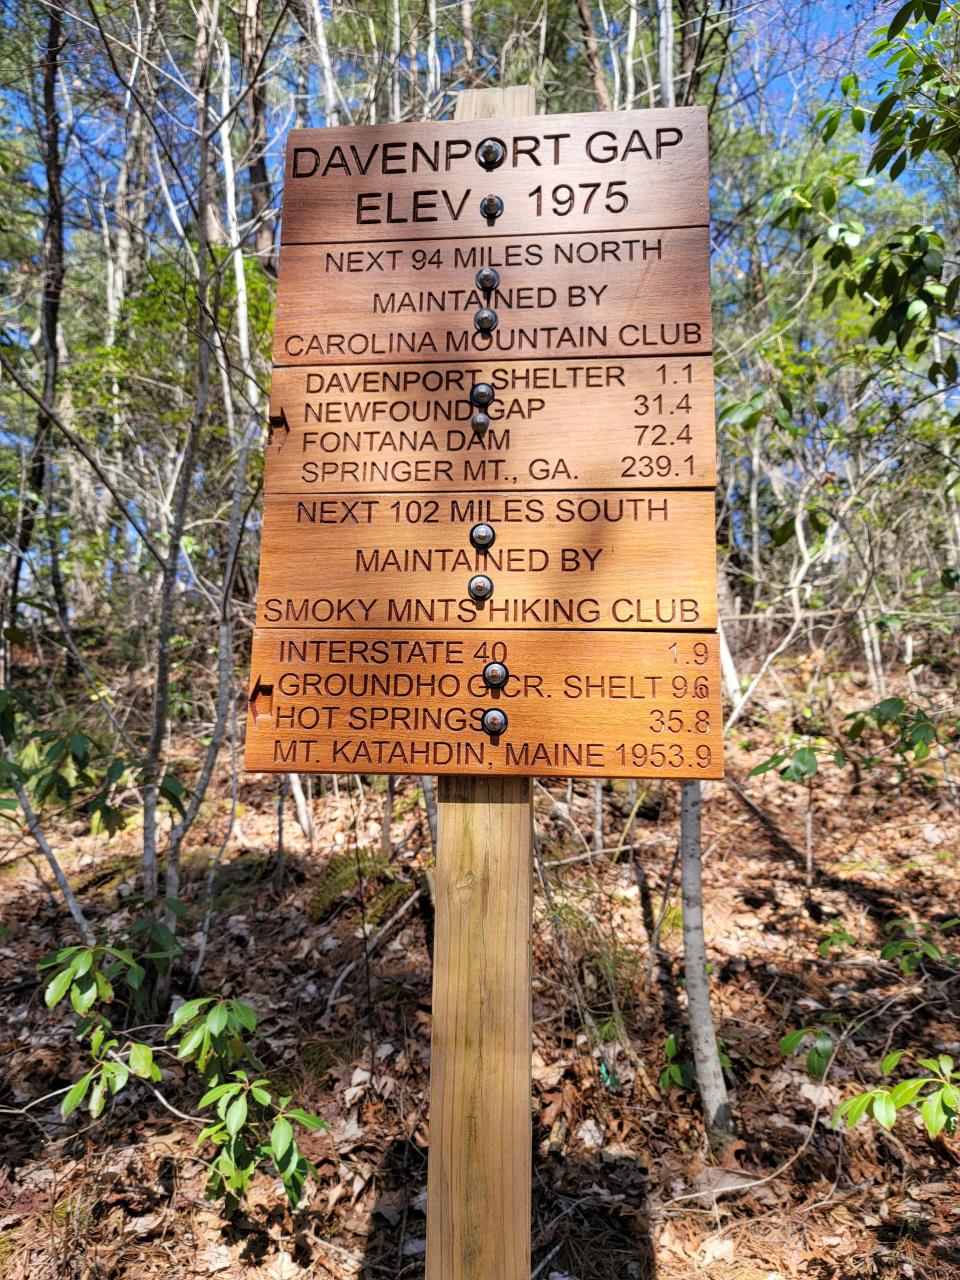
624 1187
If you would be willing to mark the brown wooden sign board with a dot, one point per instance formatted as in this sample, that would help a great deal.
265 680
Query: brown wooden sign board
632 294
590 172
600 705
595 424
596 472
616 559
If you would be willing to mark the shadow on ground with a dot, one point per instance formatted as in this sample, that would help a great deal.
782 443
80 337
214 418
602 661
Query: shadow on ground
589 1219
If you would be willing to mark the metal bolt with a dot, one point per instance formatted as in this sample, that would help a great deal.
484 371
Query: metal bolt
480 423
495 675
483 536
480 587
482 394
491 153
486 320
494 722
488 278
491 207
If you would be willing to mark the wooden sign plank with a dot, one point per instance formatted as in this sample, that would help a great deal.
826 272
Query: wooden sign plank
615 295
598 705
555 425
423 181
615 559
596 471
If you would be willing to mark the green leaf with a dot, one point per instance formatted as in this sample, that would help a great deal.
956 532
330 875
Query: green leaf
946 1064
172 790
98 1097
83 993
933 1113
191 1041
216 1092
141 1060
217 1019
900 20
766 765
188 1011
58 988
890 1061
858 1108
308 1120
117 1075
244 1015
884 1110
281 1140
236 1116
58 957
792 1040
905 1092
889 709
76 1094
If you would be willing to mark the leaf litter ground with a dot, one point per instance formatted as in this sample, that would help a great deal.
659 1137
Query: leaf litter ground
624 1185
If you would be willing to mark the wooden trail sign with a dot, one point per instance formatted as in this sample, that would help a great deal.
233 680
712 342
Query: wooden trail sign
488 541
492 433
404 428
376 703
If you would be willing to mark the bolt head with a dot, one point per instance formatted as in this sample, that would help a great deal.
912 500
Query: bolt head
491 153
486 320
480 423
491 207
481 394
487 279
495 675
483 536
494 722
480 587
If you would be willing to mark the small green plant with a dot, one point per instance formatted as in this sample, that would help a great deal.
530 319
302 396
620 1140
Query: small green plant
680 1071
935 1095
93 974
821 1047
910 947
252 1123
837 936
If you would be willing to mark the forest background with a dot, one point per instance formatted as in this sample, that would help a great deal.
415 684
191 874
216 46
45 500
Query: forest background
167 898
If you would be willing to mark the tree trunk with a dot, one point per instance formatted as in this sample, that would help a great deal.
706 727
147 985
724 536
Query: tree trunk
703 1037
261 193
665 52
592 50
53 271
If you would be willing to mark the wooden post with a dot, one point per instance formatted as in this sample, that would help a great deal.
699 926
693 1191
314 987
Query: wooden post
478 1188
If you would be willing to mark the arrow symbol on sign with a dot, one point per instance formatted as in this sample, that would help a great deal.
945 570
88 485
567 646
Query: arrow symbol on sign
278 422
260 690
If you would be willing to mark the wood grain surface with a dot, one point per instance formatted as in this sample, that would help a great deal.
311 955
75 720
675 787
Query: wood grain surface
481 1130
574 424
643 294
579 705
479 1178
599 560
636 169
